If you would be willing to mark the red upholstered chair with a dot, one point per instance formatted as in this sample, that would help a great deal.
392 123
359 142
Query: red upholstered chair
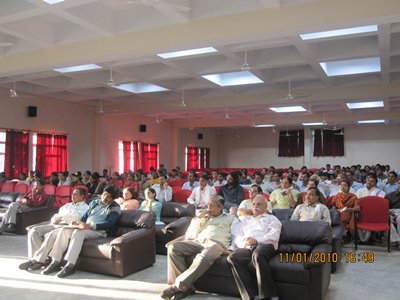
266 196
217 189
30 187
181 196
1 186
176 188
8 186
82 187
373 216
246 194
174 182
62 196
50 189
21 188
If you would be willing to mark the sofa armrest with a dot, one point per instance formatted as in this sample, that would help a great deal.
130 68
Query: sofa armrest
177 225
319 255
130 236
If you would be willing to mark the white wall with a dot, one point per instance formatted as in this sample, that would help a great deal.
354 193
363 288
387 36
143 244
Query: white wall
53 116
257 147
113 128
188 137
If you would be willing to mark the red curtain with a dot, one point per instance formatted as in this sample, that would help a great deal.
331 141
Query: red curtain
136 160
51 153
16 153
126 149
204 158
149 156
328 142
192 159
291 143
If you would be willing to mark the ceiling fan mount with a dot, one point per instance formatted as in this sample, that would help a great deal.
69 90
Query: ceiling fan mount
245 66
111 82
290 96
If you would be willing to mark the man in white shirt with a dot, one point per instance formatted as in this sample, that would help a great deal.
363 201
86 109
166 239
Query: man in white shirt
257 243
191 183
370 189
259 180
41 238
303 182
220 180
63 178
163 190
390 184
312 210
246 207
202 193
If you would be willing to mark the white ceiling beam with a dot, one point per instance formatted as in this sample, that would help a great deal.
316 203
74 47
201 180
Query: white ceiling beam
26 37
384 35
171 13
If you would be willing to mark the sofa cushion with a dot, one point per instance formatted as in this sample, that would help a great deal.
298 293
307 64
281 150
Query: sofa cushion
283 214
7 197
294 248
168 220
133 219
175 210
293 273
98 248
305 232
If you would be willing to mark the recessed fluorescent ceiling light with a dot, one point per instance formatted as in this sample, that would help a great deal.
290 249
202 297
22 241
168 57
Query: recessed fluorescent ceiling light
351 66
188 52
314 124
77 68
288 109
358 105
339 32
264 125
233 78
371 121
140 87
53 1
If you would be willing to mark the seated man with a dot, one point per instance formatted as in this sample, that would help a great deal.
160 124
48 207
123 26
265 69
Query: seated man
257 242
36 198
370 189
202 193
232 192
42 237
191 183
207 237
219 180
102 215
163 190
312 210
246 207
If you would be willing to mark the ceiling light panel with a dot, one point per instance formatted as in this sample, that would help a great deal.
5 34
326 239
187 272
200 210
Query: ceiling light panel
264 125
53 1
140 87
371 121
351 66
360 105
233 78
314 124
288 109
77 68
339 32
190 52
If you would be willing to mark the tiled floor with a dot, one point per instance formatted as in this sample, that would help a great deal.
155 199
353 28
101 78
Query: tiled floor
378 280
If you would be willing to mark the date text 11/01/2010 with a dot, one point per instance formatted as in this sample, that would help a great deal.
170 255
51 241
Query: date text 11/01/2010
322 257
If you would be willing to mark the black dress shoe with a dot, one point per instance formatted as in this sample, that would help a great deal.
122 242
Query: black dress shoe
25 265
170 292
35 265
66 271
182 295
11 228
53 267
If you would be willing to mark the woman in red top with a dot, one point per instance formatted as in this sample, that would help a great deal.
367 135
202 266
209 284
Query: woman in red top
116 180
130 182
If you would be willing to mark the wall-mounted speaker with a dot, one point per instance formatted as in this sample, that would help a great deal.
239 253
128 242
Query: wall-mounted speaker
32 111
142 127
200 136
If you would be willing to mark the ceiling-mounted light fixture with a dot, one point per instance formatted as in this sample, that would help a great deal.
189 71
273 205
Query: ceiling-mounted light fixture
111 82
245 66
13 92
158 120
100 110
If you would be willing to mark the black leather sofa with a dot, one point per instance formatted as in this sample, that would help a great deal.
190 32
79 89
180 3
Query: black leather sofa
295 280
30 216
177 217
337 231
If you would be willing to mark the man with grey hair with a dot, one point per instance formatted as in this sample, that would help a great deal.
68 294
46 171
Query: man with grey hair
208 237
256 244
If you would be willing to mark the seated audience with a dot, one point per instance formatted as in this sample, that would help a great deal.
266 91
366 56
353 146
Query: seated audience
220 180
75 180
246 207
41 238
22 178
273 184
128 200
30 177
53 179
155 178
259 180
312 210
303 182
257 242
36 198
105 174
130 182
202 193
208 237
191 183
390 184
163 190
151 203
354 185
174 175
3 178
86 178
370 189
244 179
286 196
93 183
232 192
102 215
313 183
143 184
116 180
63 178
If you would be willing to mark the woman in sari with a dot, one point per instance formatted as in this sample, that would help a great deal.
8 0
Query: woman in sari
346 203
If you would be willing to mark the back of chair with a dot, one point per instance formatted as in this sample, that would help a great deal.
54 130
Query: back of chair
62 196
176 188
21 188
373 209
8 187
181 196
50 189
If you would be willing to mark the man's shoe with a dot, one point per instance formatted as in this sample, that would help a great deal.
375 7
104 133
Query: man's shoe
11 228
66 271
53 267
182 295
170 292
25 265
35 265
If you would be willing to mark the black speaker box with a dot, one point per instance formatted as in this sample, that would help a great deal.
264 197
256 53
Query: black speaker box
142 127
32 111
200 136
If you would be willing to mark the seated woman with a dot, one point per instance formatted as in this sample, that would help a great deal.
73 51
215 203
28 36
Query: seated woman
128 201
116 180
151 203
346 203
286 196
130 182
